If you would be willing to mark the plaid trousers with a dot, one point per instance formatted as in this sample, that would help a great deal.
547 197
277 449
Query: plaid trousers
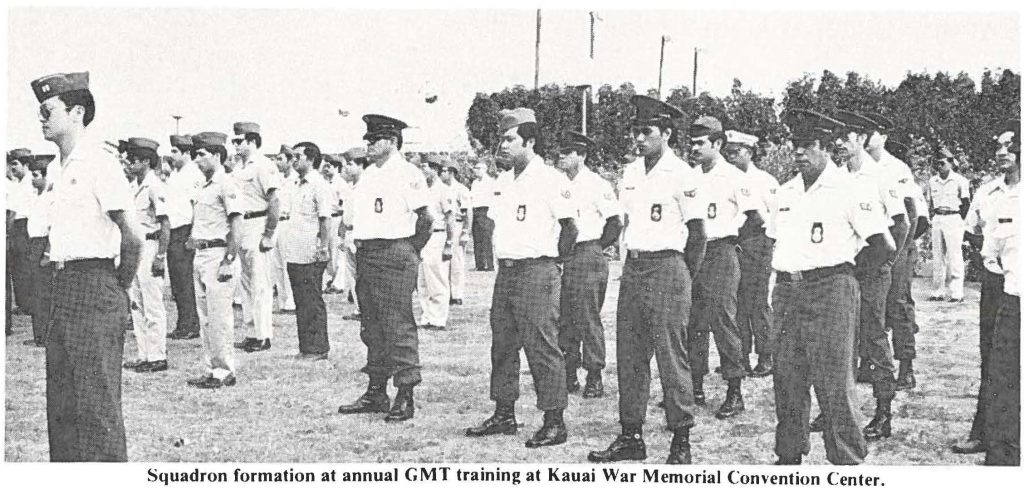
872 335
816 323
307 282
1003 420
524 315
753 313
991 297
584 283
899 305
653 309
84 350
42 283
714 310
385 280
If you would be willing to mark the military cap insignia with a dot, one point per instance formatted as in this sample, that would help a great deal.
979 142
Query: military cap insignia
866 206
692 193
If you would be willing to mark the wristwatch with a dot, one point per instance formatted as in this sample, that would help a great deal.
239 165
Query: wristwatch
228 258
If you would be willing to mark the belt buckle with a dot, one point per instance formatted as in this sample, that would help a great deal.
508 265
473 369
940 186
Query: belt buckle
796 276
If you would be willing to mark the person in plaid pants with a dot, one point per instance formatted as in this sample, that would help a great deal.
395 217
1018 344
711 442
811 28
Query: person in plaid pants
820 225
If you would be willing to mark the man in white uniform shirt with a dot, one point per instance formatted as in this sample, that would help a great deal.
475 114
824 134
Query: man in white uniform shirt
462 230
585 274
434 287
534 219
481 195
20 195
753 313
38 228
284 300
729 205
89 227
182 188
950 199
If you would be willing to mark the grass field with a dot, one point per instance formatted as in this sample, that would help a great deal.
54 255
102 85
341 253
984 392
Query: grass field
284 410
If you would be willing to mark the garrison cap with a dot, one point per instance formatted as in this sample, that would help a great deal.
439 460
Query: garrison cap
19 154
355 153
181 140
378 125
511 118
705 125
60 83
334 158
1010 133
738 138
574 141
897 148
806 125
122 146
142 144
652 111
856 122
241 128
882 124
209 138
39 162
287 150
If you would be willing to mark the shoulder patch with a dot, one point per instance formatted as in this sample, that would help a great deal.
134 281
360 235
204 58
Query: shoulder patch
866 206
692 193
609 196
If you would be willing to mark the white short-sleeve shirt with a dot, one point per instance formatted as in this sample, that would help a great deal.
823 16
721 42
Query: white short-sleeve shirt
150 203
218 199
482 192
947 193
727 197
386 198
878 183
255 179
87 185
526 210
1003 245
182 190
595 203
763 187
823 226
659 203
39 215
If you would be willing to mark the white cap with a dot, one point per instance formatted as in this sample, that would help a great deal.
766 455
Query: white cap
741 138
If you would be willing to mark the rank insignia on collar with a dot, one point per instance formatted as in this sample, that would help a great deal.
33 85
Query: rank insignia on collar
866 206
692 193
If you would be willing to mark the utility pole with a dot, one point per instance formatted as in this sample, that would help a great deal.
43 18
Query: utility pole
661 62
592 19
177 126
536 56
695 71
584 98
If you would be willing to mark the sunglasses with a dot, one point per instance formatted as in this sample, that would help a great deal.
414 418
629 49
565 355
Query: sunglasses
45 112
644 130
237 141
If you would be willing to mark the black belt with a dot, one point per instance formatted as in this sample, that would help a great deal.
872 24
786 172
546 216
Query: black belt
337 214
83 265
641 255
254 214
729 240
153 236
945 212
438 230
815 274
377 243
205 244
513 263
589 244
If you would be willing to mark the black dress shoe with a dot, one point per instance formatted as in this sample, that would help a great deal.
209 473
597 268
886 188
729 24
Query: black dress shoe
864 374
969 446
552 433
243 345
310 357
732 406
133 365
789 461
33 343
661 404
698 398
818 424
572 383
152 366
369 402
455 302
594 388
764 367
880 427
625 447
355 317
679 450
209 382
259 345
403 409
502 422
906 380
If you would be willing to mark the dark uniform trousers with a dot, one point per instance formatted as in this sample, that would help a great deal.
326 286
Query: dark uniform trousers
584 282
41 279
991 294
899 305
1003 421
179 265
385 279
524 315
21 271
872 334
653 309
310 311
816 321
714 310
753 313
84 349
483 234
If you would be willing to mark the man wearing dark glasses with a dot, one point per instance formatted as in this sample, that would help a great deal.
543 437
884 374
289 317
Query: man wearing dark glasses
950 200
665 240
89 228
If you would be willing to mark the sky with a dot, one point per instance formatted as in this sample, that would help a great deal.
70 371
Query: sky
292 71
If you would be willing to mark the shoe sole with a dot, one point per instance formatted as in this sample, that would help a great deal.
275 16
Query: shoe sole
723 416
532 445
506 432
